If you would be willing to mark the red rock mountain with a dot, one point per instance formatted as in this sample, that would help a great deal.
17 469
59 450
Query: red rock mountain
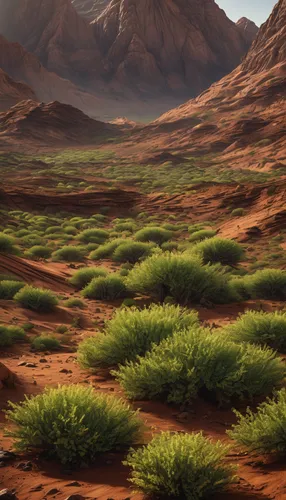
47 86
248 29
135 47
51 124
90 9
12 92
242 113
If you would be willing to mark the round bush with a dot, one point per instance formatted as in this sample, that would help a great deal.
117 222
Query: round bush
8 289
183 466
214 250
197 360
39 252
238 212
263 431
46 343
132 252
106 250
9 335
202 234
93 236
260 328
83 276
31 240
155 234
36 299
68 253
180 276
267 284
6 244
132 332
73 303
125 226
73 423
105 288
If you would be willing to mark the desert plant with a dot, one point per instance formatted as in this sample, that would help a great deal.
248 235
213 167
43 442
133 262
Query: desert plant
8 289
73 423
132 251
68 253
182 277
105 288
106 250
7 244
46 343
39 252
197 360
83 276
267 284
182 466
263 431
125 226
214 250
36 299
260 328
238 212
74 303
132 332
155 234
202 234
93 236
9 335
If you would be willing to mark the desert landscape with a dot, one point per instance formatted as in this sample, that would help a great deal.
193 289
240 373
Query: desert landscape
142 251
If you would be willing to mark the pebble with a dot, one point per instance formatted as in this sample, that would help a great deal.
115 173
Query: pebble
31 365
53 491
73 484
7 456
65 370
43 360
39 487
8 495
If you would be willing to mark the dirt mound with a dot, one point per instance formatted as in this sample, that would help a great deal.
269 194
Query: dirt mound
12 92
33 272
85 202
52 124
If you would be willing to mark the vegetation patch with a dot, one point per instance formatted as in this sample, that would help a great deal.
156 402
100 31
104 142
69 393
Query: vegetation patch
10 335
132 332
8 289
106 288
36 299
81 278
179 466
219 250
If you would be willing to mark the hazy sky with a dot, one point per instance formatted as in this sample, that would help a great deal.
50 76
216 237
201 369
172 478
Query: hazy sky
256 10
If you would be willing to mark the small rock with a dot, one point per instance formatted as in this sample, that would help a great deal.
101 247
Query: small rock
25 466
73 484
7 495
39 487
76 497
31 365
53 491
22 363
35 382
7 456
47 366
43 360
65 370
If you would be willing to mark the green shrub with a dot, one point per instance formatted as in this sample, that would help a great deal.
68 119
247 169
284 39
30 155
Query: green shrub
36 299
9 335
260 328
157 235
68 253
125 226
74 303
83 276
238 212
132 251
169 246
132 332
105 288
46 343
214 250
73 423
267 284
182 277
62 329
201 235
93 236
182 466
195 360
31 240
263 431
7 244
39 252
106 250
8 289
53 230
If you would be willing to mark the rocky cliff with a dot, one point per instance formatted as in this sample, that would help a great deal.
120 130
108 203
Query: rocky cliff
248 29
90 9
